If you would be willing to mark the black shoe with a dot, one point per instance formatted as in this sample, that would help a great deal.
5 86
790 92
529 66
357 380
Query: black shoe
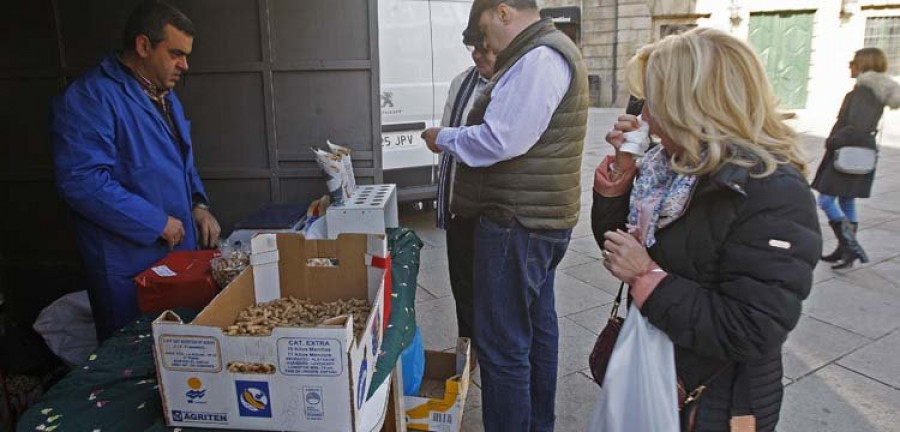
847 261
839 250
834 256
852 249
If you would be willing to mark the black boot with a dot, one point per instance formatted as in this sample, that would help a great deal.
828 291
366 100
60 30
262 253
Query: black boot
852 249
839 250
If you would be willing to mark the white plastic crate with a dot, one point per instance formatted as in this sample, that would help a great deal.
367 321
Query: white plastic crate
371 210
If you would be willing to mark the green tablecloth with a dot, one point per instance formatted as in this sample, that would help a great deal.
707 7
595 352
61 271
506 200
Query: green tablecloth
116 389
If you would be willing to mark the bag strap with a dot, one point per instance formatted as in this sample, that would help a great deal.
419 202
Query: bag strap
615 309
698 391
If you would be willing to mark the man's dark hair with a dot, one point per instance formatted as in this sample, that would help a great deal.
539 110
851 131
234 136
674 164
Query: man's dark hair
472 35
517 4
520 4
150 18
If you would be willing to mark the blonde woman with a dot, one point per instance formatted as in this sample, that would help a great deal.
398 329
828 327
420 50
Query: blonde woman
856 126
716 232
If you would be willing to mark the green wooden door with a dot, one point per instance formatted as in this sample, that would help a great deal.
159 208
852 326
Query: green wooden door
783 41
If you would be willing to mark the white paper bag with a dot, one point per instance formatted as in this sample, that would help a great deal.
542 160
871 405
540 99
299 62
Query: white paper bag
639 392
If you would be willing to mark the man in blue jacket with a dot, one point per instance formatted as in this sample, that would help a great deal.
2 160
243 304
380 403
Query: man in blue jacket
124 164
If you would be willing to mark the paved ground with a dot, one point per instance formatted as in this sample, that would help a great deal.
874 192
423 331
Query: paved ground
842 362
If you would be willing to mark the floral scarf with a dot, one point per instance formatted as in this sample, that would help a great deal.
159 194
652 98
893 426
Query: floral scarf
659 196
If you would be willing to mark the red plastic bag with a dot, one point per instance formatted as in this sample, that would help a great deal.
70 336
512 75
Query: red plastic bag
181 279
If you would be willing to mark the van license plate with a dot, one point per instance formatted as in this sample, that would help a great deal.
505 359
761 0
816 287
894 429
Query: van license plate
401 140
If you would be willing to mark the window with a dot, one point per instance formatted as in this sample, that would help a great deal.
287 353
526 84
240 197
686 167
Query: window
884 33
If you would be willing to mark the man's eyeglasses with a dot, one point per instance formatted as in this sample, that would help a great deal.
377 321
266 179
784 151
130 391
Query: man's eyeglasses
479 45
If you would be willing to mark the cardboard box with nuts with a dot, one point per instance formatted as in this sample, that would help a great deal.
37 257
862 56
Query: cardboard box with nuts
290 344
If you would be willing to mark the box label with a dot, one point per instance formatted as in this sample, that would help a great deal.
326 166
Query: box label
254 399
190 353
310 357
199 417
164 271
441 420
314 403
196 391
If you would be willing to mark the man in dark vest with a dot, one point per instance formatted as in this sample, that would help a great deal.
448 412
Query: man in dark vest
518 173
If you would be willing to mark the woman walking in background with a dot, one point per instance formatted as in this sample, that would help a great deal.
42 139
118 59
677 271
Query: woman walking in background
856 126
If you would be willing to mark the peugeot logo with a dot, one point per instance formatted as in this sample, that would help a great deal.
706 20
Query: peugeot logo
387 99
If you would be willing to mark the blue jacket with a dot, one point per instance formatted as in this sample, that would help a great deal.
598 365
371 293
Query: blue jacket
123 172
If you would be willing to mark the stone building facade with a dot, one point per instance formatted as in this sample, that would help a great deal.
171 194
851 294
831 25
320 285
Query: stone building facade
805 44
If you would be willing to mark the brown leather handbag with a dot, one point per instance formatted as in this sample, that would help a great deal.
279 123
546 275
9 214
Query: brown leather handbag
603 347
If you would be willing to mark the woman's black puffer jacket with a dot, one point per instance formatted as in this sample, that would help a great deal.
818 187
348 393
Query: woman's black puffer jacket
740 262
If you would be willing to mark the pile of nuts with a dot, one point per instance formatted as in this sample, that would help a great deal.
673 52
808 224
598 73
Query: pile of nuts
259 320
251 368
228 266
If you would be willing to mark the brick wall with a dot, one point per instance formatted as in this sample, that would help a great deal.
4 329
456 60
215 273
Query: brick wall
834 38
599 35
558 3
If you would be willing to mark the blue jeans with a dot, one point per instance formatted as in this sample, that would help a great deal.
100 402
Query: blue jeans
516 329
836 213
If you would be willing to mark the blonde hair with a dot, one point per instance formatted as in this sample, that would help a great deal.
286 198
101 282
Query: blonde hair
870 59
708 92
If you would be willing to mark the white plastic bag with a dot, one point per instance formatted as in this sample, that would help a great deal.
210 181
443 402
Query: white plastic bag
67 326
639 392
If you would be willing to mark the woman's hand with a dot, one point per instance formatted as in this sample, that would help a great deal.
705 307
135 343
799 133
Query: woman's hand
613 176
625 123
627 259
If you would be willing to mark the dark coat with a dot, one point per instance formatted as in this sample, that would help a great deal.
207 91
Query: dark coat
856 126
740 262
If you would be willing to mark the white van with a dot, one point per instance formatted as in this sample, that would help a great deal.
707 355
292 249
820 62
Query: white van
420 51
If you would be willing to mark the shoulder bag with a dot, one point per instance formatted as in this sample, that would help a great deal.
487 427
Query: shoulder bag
855 160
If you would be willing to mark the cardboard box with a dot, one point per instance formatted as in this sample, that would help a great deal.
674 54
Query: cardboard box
442 396
321 374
